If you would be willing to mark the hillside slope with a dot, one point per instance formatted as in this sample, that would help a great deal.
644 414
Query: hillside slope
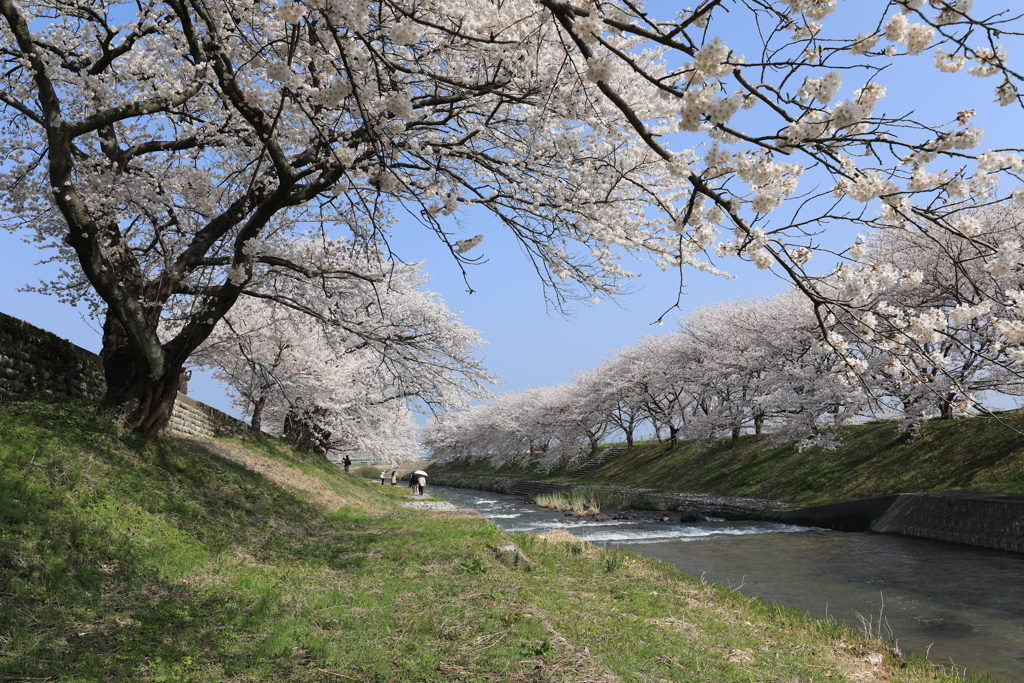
874 460
246 561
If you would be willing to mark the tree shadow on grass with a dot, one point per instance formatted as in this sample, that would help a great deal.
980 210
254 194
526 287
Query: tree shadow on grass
93 534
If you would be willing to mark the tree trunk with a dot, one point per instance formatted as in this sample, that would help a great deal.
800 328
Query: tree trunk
735 434
673 435
758 423
257 414
946 407
147 401
119 364
629 438
302 430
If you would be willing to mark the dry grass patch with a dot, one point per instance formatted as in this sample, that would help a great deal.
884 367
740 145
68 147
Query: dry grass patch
561 536
312 489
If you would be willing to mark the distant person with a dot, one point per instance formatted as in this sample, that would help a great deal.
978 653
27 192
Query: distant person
383 478
347 462
394 477
413 485
183 379
421 484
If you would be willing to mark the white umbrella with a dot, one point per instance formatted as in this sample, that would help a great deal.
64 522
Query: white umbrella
421 473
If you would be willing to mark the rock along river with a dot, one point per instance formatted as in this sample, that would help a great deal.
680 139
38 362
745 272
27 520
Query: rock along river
957 605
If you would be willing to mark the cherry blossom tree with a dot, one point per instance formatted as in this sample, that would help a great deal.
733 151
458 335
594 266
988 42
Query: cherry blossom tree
789 380
500 431
620 393
585 417
348 379
930 349
159 146
737 343
541 428
757 364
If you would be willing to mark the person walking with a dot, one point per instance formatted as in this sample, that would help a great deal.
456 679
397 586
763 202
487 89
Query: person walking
347 462
421 484
394 477
383 477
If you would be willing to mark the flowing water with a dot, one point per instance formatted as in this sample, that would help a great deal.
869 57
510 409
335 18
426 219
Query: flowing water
957 605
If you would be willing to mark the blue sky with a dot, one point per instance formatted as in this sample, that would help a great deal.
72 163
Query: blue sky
529 345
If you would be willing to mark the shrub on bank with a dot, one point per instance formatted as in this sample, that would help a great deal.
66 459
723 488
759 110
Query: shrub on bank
591 500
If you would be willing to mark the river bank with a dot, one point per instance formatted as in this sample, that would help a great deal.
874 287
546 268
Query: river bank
630 497
246 560
985 520
956 480
872 460
961 607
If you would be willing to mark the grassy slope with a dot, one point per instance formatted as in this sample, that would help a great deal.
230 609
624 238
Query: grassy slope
116 567
874 460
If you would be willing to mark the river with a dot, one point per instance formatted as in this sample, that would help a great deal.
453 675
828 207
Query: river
961 607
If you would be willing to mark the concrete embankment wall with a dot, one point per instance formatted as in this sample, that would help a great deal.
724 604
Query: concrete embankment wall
989 522
36 362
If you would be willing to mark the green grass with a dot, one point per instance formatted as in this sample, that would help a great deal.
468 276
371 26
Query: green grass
977 454
115 566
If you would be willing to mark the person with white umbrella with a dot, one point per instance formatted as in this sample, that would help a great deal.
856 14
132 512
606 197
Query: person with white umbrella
418 482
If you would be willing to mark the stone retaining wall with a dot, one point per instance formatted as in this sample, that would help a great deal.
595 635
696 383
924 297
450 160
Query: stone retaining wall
36 362
710 504
192 418
972 519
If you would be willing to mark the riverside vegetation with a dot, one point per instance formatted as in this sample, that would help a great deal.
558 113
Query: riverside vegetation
244 560
873 459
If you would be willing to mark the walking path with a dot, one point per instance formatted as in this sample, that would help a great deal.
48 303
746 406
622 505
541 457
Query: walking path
432 505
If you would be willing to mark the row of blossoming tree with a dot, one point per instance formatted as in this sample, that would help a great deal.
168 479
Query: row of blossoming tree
344 388
163 148
929 348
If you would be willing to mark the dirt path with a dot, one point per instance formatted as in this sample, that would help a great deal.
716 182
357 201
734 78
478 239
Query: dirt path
290 478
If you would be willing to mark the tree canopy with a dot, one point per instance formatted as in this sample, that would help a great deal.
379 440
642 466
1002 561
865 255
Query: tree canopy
166 148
